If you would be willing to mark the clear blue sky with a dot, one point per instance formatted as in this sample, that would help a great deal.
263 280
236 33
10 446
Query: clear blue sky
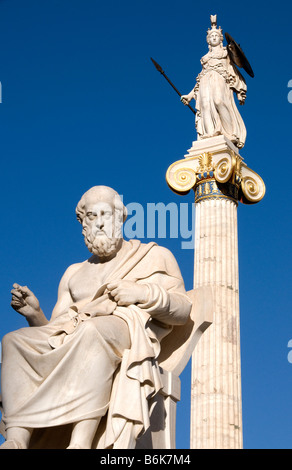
83 105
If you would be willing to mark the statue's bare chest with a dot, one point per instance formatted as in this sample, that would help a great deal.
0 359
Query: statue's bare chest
86 281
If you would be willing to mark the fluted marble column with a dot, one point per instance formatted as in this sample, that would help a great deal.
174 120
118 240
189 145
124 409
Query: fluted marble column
216 418
219 178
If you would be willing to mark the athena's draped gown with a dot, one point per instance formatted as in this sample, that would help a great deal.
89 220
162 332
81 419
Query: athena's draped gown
214 93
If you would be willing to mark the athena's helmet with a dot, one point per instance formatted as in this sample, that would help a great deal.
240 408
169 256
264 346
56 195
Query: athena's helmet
214 28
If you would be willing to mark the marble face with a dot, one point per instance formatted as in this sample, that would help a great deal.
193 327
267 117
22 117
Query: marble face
214 39
102 232
99 218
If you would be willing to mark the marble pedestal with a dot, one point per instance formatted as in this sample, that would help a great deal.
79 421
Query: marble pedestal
220 178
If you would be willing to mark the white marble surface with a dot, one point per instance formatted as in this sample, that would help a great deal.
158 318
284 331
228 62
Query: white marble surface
214 91
91 367
216 373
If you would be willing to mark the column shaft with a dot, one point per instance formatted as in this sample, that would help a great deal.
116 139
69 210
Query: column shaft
216 415
219 177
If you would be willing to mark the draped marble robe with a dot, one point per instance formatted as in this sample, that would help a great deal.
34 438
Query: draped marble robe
214 94
48 365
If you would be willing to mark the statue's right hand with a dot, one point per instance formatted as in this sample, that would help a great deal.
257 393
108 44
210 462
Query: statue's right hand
185 99
24 301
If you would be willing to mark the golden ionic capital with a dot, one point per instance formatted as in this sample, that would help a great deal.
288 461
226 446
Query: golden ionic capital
217 174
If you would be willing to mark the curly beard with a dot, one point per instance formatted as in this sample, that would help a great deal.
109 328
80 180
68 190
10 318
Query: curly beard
101 245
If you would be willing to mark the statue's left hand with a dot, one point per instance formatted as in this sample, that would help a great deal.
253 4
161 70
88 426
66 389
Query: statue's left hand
128 292
241 97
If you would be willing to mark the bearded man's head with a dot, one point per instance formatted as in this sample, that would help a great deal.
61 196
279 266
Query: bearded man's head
102 214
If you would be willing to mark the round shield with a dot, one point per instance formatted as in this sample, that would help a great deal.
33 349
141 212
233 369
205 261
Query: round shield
237 55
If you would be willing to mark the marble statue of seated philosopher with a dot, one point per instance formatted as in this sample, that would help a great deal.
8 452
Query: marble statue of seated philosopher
93 365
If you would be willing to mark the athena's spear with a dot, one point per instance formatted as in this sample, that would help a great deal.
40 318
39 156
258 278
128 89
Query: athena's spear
157 66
